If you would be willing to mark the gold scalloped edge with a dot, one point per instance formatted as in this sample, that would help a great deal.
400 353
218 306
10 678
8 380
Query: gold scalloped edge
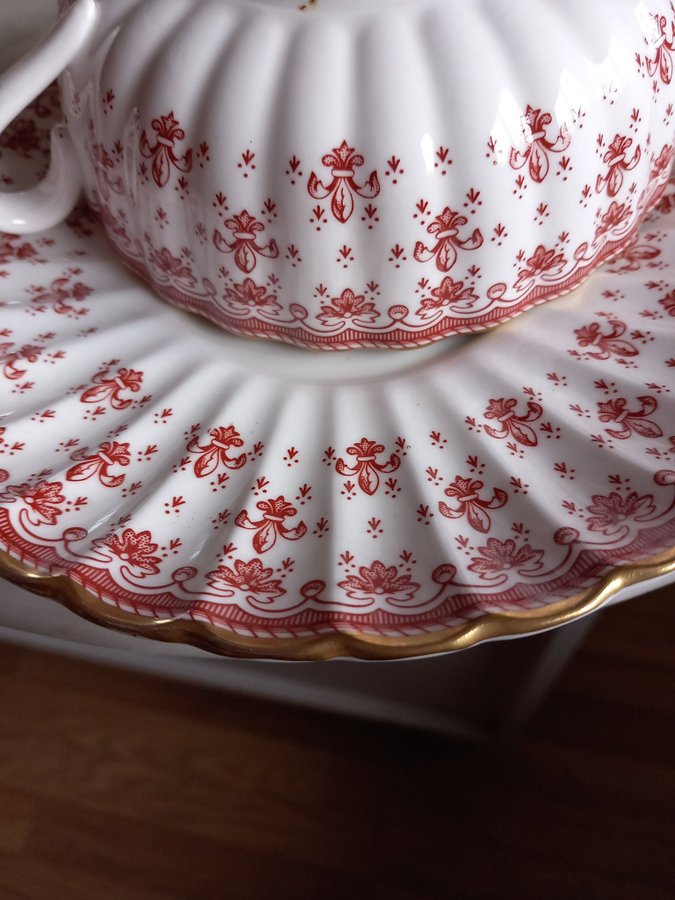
218 640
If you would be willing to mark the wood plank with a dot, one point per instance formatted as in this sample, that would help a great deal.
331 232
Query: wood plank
117 785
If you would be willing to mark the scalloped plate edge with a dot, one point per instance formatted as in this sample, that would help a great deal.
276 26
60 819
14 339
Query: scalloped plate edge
490 626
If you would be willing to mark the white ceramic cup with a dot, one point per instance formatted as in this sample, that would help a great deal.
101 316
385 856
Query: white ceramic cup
48 203
355 173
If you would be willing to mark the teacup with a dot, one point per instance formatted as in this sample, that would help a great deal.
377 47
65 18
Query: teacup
355 173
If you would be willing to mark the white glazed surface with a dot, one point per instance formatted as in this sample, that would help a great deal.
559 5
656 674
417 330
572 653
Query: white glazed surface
372 174
178 472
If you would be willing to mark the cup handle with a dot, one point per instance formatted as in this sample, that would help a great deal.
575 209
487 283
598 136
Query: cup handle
49 202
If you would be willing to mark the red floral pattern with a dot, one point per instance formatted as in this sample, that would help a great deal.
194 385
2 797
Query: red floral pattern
366 468
543 262
216 452
502 556
610 512
445 230
113 390
272 524
467 501
134 549
451 294
402 558
662 61
538 144
348 307
618 163
163 152
248 297
99 465
631 421
244 243
44 501
510 424
342 187
247 577
607 343
379 582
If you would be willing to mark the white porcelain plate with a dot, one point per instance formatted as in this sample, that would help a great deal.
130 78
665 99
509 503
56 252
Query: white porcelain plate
275 494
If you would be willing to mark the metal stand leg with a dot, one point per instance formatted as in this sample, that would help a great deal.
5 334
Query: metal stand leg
562 644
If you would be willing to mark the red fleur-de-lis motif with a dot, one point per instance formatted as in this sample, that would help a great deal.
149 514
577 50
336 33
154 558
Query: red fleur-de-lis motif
663 47
617 162
535 125
608 343
11 249
60 293
9 359
272 524
366 467
468 502
445 229
109 455
631 421
510 423
109 389
163 152
244 243
343 185
668 303
216 453
103 166
662 162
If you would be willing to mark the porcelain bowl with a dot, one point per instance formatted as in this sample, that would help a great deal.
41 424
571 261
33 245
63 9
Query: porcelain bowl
372 173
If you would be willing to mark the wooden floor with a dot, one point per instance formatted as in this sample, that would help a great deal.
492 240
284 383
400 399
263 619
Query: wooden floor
119 786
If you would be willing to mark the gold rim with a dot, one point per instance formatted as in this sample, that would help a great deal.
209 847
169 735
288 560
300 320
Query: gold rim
344 644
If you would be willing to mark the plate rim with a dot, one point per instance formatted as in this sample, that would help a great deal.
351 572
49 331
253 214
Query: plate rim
342 644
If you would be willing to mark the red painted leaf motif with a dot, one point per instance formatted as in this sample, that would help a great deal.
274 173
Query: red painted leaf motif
369 480
265 538
539 164
207 463
161 169
342 205
96 394
84 470
478 518
244 257
645 428
522 433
